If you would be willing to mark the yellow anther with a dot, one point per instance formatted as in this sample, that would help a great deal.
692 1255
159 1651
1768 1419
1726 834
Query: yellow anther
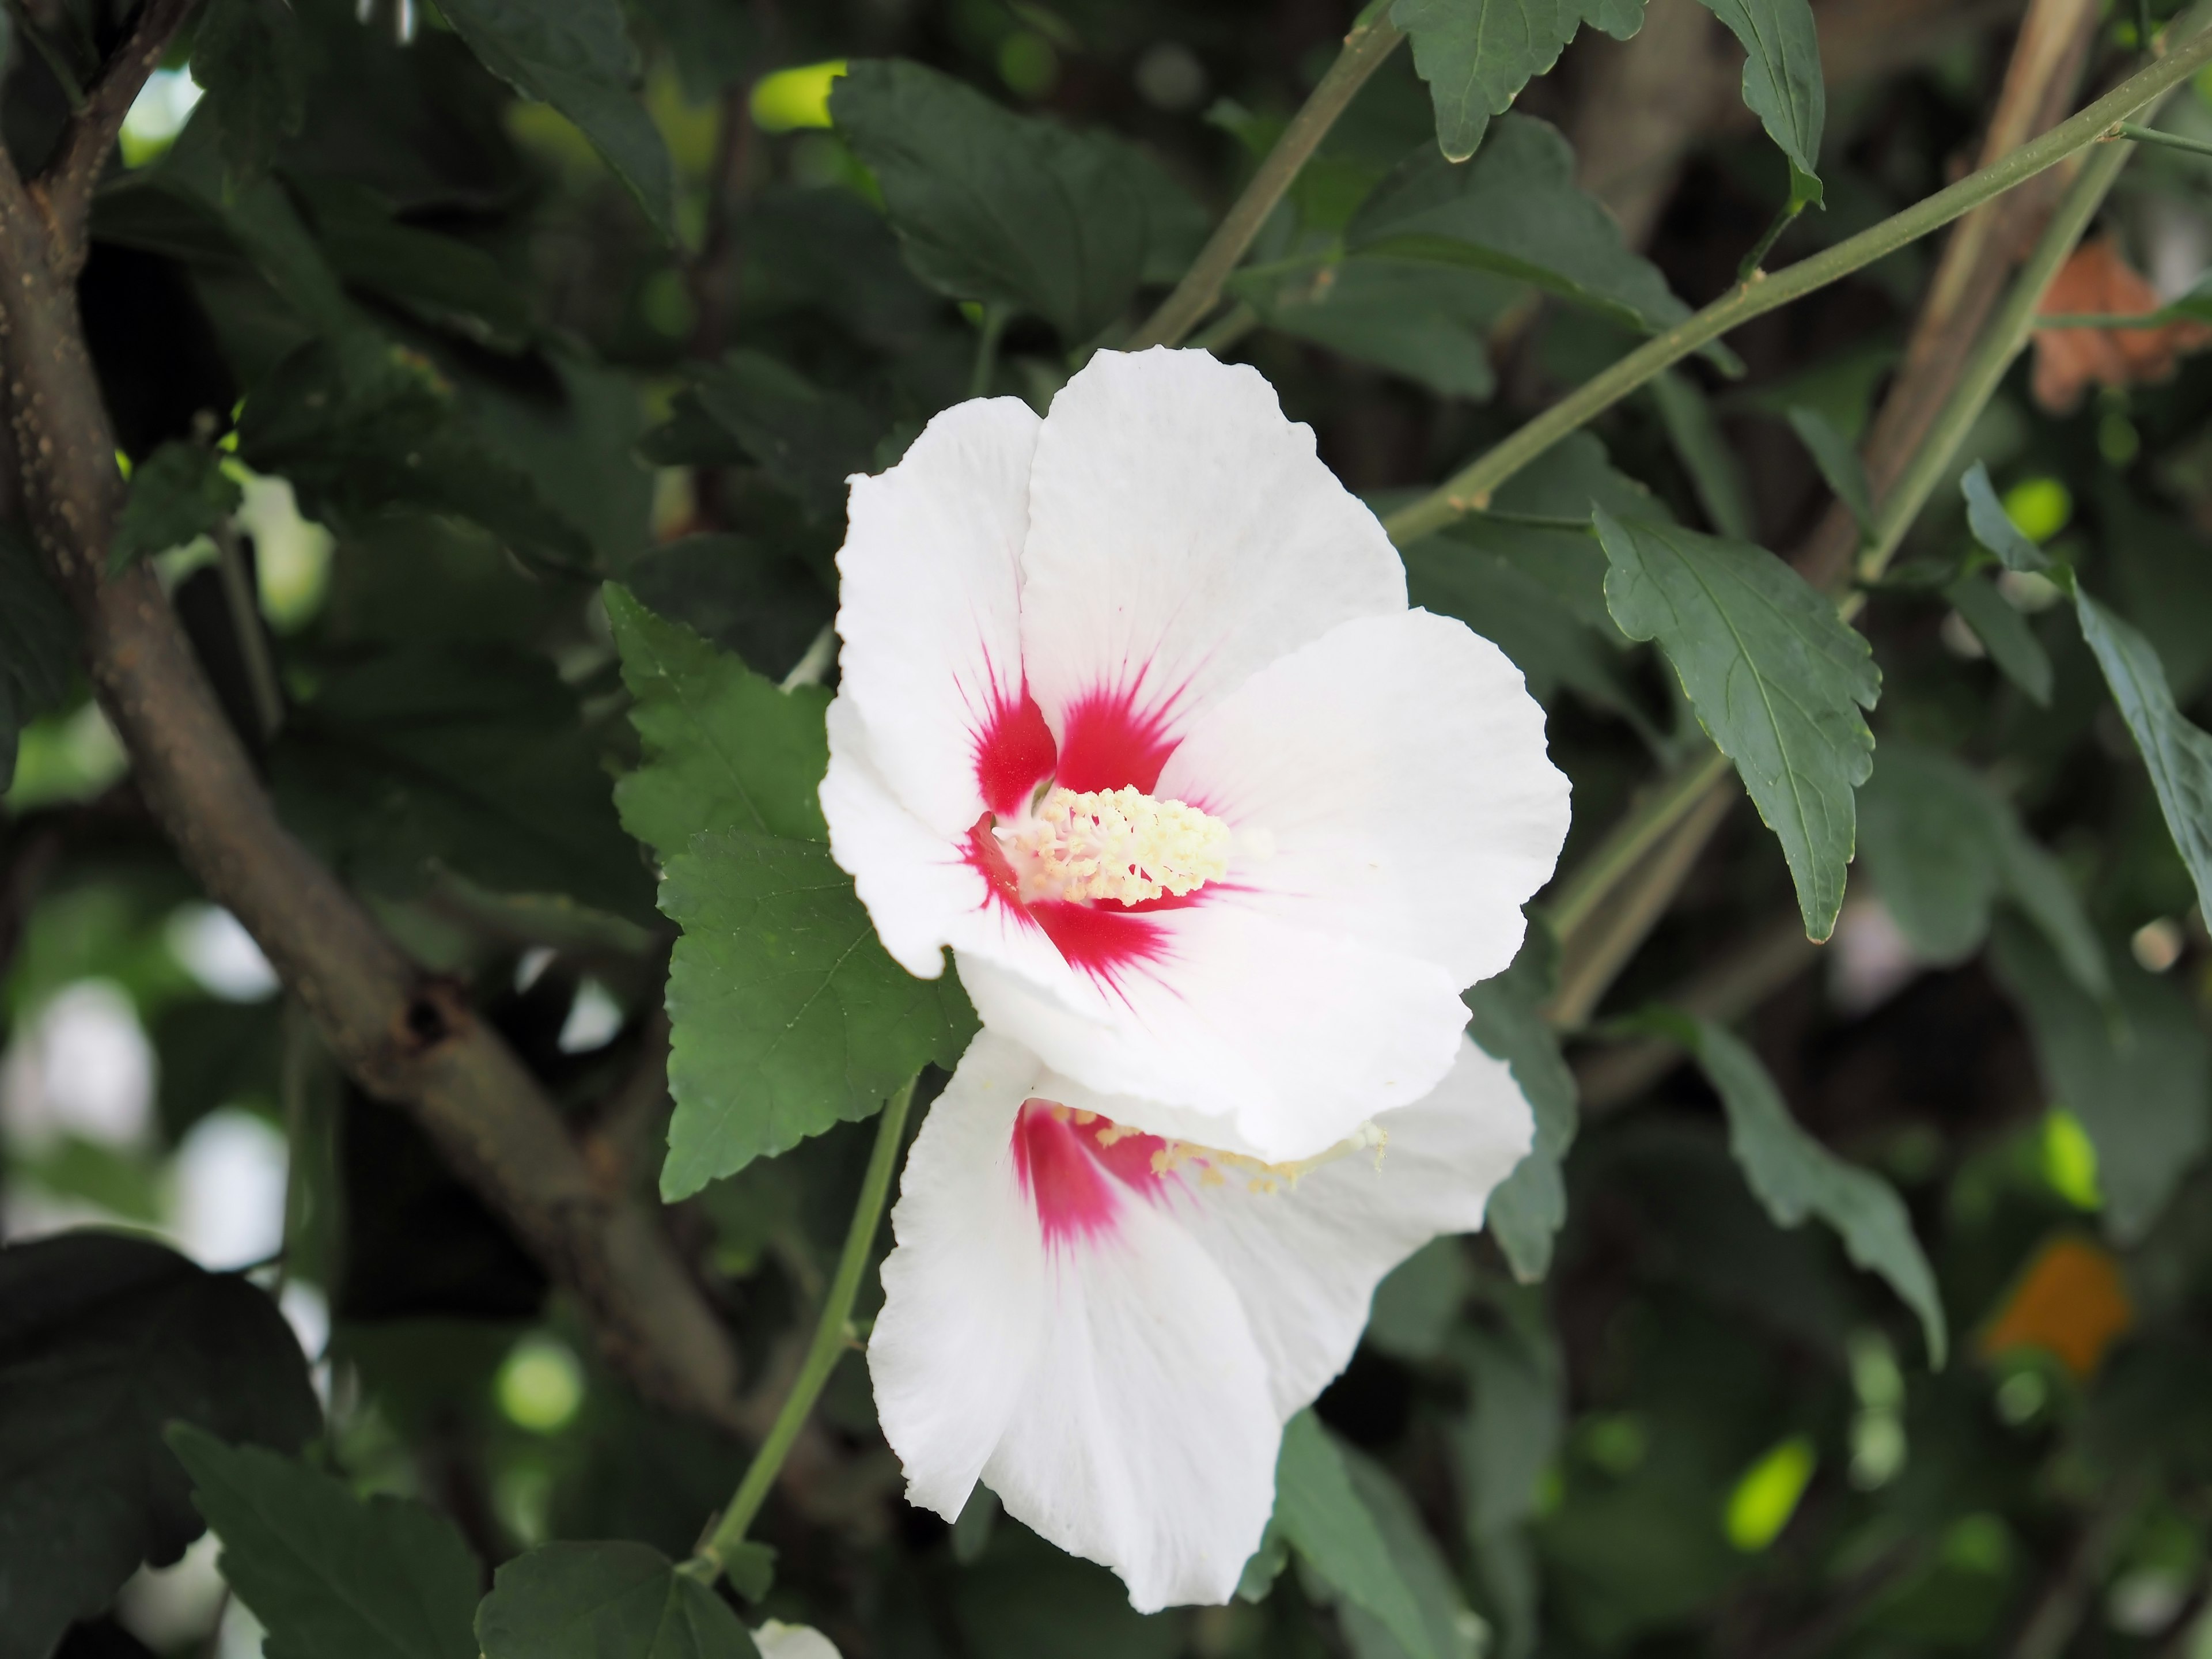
1118 844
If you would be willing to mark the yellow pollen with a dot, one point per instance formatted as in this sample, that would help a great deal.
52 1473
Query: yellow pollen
1265 1178
1118 844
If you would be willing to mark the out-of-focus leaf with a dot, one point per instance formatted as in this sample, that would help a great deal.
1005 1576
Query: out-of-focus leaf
612 1601
1476 55
1001 208
2004 634
1795 1177
1781 83
810 441
1777 677
1453 1630
1428 322
103 1341
1418 1303
725 749
575 55
1838 462
1511 1433
37 643
711 45
247 54
2163 580
1329 1524
329 1576
178 493
1993 526
1530 622
1515 211
441 279
1025 1600
788 1016
746 595
2140 1082
1529 1207
1695 432
2177 753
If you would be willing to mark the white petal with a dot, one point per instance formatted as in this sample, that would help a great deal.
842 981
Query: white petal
1250 1033
930 599
1392 780
914 884
1182 535
1306 1257
777 1640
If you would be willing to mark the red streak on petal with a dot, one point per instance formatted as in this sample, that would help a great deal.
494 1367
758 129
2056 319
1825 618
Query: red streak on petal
1094 938
1014 753
1070 1177
1106 743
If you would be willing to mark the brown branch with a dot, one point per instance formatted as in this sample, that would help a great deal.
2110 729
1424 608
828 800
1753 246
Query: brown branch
403 1037
67 184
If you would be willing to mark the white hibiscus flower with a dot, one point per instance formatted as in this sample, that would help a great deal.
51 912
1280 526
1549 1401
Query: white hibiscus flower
1110 1329
1134 717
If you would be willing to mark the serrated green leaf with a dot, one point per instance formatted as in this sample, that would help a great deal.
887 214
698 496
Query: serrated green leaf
2177 753
1323 1515
178 493
1777 677
787 1014
247 54
1993 526
103 1341
329 1576
1695 432
1001 208
1529 1207
2137 1082
1476 55
611 1601
576 56
1515 211
1782 80
1837 460
1795 1177
2004 634
725 749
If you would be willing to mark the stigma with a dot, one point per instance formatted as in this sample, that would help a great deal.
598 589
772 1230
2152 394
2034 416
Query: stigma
1119 845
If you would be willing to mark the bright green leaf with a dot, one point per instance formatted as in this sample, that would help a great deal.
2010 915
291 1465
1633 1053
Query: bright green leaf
2177 753
1476 55
1695 432
1515 211
612 1601
1837 460
2004 634
1529 1207
575 55
2136 1080
1993 526
1782 84
788 1016
178 493
331 1577
1330 1525
103 1340
1777 677
247 54
1795 1177
1766 1496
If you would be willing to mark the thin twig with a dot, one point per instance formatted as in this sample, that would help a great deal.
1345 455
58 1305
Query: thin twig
68 183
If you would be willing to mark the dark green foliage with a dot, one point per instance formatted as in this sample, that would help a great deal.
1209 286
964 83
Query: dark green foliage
104 1341
178 493
247 54
604 1601
1527 1210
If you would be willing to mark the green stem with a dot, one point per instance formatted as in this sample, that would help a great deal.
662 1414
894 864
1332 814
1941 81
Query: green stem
1632 839
245 608
1373 38
832 1331
2051 319
1765 244
1471 489
993 325
1226 329
2143 135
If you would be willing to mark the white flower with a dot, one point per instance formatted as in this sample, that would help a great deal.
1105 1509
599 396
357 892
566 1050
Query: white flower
777 1640
1133 715
1110 1330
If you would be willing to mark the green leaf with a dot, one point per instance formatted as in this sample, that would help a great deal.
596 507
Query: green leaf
1993 526
1695 434
1795 1177
1417 1303
576 56
809 440
247 54
1001 208
752 595
329 1576
440 279
178 493
2004 634
37 644
724 748
103 1340
613 1601
1331 1526
1452 1629
1837 460
1529 1207
1777 677
1514 210
711 44
2177 753
2137 1083
1476 55
1431 324
788 1016
1508 1438
1781 83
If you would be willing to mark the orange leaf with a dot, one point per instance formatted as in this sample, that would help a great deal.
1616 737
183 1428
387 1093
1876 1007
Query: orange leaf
2096 280
2069 1302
